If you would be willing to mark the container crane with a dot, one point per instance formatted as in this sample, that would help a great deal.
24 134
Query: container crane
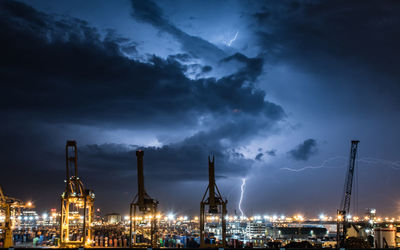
345 203
216 205
7 205
147 208
76 204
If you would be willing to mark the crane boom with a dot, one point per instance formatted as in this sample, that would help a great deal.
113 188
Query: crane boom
345 203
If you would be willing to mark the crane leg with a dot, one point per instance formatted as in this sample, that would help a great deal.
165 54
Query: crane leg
8 239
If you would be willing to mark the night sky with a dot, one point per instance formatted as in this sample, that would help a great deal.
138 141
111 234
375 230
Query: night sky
276 90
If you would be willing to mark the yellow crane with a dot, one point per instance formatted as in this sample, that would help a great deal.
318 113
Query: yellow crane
8 205
76 205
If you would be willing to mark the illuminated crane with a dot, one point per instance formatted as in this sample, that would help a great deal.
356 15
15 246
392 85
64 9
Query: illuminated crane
8 206
139 233
76 204
216 205
345 204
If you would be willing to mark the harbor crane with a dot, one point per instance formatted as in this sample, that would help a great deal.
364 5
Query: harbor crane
216 206
143 211
76 204
8 206
345 204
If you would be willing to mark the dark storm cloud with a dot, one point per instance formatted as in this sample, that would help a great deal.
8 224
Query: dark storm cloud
305 150
175 162
62 71
184 160
181 57
150 12
251 69
271 152
64 78
206 69
309 32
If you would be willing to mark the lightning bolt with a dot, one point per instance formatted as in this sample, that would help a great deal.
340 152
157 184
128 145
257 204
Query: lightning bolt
233 39
241 196
367 160
323 165
370 160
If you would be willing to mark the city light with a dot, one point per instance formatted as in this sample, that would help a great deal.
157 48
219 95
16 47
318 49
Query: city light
247 225
170 216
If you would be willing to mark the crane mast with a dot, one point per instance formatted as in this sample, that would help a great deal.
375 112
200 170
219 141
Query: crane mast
345 203
216 205
146 206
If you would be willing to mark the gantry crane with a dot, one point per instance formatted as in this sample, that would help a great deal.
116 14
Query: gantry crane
140 235
7 205
216 205
345 204
76 204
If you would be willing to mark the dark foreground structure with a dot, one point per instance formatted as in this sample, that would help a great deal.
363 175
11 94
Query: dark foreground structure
119 248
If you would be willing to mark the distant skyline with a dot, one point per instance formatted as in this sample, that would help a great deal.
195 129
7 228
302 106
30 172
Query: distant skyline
276 90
